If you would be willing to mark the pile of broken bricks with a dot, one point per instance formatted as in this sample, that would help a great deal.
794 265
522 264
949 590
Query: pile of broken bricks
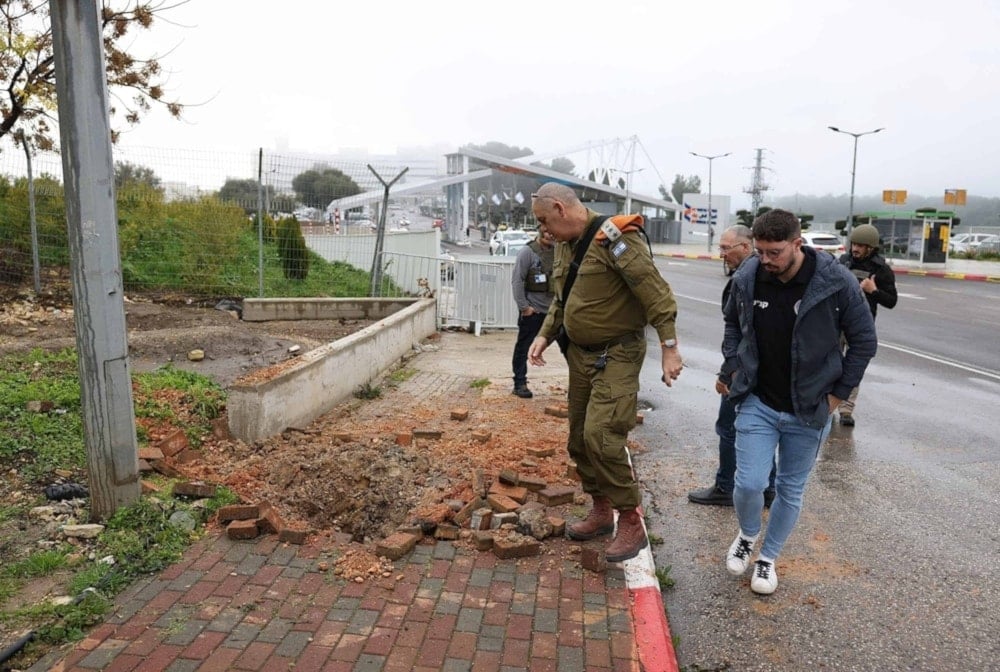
500 516
243 521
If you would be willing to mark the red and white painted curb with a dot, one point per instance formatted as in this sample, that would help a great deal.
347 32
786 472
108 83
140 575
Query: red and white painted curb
649 618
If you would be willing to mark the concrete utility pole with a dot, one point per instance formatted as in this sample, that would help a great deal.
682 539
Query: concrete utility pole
92 221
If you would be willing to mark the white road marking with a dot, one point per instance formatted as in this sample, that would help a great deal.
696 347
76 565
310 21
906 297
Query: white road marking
940 360
912 296
695 298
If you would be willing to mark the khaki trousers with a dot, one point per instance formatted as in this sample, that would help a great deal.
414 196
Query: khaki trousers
602 411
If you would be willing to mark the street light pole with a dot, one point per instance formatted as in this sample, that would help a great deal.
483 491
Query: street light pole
854 164
711 229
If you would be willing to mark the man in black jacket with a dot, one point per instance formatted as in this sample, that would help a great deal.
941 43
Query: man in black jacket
878 282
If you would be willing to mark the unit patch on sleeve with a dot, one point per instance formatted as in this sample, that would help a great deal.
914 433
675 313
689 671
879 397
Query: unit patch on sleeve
619 249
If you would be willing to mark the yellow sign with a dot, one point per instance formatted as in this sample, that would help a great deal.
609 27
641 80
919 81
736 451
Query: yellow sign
954 196
894 196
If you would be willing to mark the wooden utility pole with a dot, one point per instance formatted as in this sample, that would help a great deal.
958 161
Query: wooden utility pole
95 266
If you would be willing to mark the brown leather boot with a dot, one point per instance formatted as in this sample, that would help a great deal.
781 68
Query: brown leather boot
599 522
631 537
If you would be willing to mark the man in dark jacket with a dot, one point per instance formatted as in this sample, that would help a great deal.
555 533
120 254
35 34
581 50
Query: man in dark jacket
878 282
735 246
787 311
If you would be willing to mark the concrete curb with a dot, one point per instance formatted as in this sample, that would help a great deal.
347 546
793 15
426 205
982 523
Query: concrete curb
946 274
649 617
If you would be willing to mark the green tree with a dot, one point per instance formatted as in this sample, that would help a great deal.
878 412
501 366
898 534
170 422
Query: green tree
292 249
317 187
561 164
131 174
682 185
500 149
27 68
745 217
244 194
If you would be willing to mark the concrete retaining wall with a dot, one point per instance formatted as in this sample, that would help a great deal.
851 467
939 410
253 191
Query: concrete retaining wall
295 393
264 310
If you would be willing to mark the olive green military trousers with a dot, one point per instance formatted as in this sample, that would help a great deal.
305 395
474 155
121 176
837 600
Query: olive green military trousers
602 410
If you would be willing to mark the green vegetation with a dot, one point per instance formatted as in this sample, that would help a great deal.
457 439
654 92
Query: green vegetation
37 439
204 246
292 249
479 383
401 375
368 391
663 577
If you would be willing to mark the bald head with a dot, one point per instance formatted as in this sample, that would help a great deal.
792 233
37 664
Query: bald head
558 192
559 209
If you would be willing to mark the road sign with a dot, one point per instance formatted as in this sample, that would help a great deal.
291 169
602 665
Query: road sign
954 196
894 196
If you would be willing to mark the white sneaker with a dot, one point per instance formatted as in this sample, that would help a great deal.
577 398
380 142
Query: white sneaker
765 578
738 558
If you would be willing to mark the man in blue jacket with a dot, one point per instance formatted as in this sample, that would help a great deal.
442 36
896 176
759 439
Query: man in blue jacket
784 320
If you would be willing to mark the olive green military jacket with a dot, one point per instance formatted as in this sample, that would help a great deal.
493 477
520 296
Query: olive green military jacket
618 291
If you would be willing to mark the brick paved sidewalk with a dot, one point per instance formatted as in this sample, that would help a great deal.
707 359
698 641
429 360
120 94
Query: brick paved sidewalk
261 605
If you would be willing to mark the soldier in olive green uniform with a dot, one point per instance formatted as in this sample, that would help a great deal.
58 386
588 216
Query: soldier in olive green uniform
617 292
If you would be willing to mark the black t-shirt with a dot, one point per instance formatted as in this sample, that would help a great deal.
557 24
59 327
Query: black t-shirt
775 306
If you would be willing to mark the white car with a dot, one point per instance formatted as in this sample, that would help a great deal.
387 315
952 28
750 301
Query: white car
824 240
510 235
510 248
966 242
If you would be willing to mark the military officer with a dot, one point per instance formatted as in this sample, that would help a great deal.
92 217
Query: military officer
617 291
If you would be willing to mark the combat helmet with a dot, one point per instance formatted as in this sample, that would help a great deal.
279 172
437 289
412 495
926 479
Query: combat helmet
866 234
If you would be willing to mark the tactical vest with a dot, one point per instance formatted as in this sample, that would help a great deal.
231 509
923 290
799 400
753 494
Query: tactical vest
543 267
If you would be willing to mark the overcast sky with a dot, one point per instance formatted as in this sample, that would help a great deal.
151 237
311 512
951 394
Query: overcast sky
704 76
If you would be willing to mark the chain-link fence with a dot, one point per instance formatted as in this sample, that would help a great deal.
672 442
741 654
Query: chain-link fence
223 224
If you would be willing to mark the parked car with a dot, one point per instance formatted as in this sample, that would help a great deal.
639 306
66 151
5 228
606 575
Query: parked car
510 248
500 237
967 242
989 245
824 240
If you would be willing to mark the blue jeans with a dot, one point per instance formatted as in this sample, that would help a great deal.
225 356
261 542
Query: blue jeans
758 429
726 474
527 328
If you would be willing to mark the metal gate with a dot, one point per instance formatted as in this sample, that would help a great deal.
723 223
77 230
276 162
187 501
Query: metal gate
474 294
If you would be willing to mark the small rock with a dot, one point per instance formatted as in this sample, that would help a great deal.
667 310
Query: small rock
196 355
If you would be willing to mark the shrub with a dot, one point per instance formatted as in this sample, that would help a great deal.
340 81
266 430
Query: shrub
292 249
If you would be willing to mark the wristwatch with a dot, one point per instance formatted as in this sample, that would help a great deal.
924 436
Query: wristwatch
670 343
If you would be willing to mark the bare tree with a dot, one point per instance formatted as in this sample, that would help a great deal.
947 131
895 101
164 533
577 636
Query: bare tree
27 68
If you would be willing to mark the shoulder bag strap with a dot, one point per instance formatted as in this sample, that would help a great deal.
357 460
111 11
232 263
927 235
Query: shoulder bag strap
581 250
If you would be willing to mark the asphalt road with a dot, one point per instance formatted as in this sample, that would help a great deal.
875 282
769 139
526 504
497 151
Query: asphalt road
893 564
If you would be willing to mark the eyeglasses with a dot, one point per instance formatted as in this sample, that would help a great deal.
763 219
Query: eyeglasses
772 253
729 248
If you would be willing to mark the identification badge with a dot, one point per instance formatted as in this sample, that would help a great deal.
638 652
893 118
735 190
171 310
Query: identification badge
540 277
619 249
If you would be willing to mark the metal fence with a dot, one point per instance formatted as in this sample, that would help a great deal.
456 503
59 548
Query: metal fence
202 222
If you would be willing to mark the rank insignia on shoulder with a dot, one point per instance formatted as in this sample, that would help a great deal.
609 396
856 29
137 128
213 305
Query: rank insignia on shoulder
609 229
619 249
